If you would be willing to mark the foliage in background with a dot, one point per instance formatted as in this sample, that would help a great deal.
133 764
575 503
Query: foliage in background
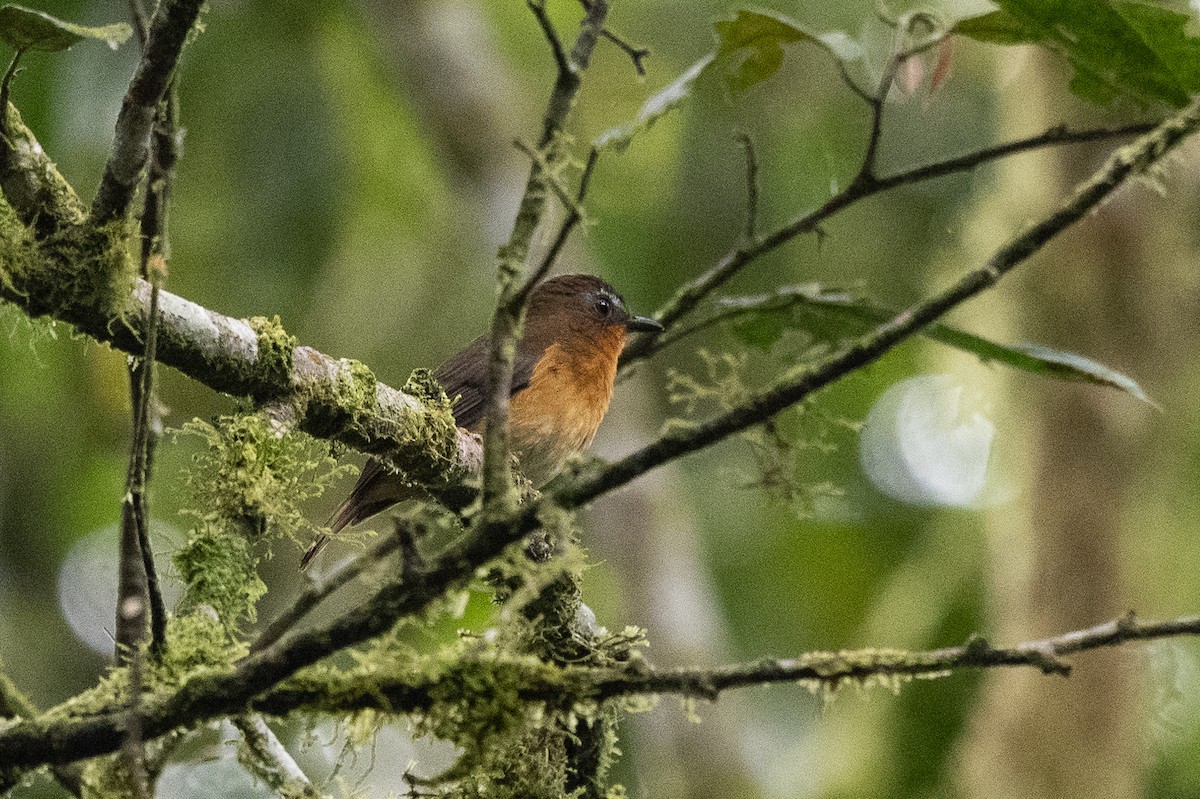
250 479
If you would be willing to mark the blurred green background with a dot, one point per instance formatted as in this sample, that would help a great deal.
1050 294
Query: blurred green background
349 166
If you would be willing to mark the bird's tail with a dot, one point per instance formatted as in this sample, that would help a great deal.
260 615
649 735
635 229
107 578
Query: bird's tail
377 490
344 516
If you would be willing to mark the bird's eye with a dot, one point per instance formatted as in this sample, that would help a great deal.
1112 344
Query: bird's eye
603 307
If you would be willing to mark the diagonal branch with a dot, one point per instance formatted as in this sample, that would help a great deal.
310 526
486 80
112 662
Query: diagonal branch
169 28
510 308
797 385
689 296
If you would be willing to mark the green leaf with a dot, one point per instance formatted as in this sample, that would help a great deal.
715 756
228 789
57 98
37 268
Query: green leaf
763 34
1116 47
27 29
658 106
817 306
760 33
1071 366
996 27
760 330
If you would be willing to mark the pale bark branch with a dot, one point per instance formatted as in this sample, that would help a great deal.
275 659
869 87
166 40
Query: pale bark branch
169 28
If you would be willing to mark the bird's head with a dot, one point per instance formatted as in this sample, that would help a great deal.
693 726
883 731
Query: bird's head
581 310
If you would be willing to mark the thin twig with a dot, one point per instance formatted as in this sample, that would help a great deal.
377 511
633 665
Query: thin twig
540 161
138 580
689 296
146 420
538 7
637 55
5 86
573 218
751 234
270 761
497 492
316 591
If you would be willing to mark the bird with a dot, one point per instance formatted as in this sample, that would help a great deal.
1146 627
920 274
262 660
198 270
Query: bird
564 368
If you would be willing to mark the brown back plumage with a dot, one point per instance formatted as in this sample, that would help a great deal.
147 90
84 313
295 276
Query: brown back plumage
575 329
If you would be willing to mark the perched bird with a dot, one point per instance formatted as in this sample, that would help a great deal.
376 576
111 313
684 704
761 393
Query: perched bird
563 372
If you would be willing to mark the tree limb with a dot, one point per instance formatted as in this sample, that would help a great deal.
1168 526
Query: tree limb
866 185
797 385
169 28
828 669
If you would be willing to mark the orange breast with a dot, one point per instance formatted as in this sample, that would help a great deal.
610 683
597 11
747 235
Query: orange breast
558 414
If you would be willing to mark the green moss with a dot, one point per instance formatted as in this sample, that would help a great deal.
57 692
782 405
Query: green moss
434 432
247 487
220 572
196 642
276 348
74 273
255 474
32 181
105 777
340 408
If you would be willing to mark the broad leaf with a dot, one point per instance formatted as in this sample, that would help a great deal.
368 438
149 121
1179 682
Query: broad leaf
996 27
1116 47
27 29
749 50
822 308
653 109
757 37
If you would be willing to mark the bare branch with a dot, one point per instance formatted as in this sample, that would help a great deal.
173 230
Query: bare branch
510 309
136 562
169 28
794 387
538 7
751 233
317 591
271 762
637 55
573 218
688 297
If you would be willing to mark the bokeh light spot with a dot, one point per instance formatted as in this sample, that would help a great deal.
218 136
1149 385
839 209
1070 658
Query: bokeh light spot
922 446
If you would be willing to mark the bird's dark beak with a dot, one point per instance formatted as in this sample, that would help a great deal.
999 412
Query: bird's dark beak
643 324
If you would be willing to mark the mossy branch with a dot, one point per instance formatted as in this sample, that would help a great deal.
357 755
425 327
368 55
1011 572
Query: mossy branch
825 670
36 742
336 399
32 184
13 704
509 316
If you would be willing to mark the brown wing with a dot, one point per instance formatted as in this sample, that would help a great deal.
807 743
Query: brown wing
464 376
